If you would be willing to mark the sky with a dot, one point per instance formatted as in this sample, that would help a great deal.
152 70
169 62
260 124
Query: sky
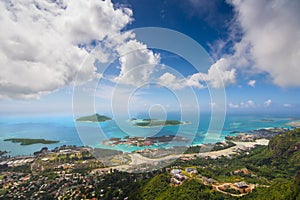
76 57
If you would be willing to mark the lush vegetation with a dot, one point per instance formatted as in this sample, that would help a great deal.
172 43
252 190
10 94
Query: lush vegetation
276 168
158 188
101 153
27 141
209 147
281 189
154 122
93 118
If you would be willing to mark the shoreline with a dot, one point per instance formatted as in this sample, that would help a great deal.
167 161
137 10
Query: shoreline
294 124
251 136
138 159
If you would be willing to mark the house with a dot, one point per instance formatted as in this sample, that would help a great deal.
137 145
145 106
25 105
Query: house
191 170
244 171
175 181
241 184
179 177
208 180
175 171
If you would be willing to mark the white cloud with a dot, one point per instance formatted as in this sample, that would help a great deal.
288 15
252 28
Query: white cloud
38 46
271 38
137 63
267 103
170 81
287 105
217 77
247 104
219 74
43 43
232 105
252 83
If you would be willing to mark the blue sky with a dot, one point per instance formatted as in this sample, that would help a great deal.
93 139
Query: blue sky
250 52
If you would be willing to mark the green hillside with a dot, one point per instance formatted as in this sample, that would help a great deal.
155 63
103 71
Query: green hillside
275 168
154 122
28 141
94 118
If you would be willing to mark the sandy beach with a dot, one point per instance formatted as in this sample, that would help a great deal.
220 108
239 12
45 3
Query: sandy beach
294 124
233 150
137 159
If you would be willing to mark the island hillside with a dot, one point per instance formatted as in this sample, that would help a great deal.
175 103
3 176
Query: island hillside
155 122
93 118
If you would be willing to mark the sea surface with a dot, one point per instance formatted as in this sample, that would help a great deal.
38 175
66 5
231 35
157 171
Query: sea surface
68 132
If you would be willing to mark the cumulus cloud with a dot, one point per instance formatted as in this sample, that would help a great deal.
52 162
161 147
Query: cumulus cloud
247 104
252 83
43 43
218 76
171 81
287 105
267 103
233 105
270 39
137 63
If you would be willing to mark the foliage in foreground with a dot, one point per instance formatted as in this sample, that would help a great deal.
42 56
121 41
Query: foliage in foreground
276 166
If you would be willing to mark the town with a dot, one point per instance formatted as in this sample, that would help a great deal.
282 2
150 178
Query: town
70 172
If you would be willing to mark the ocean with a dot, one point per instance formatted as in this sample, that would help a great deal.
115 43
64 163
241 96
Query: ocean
68 132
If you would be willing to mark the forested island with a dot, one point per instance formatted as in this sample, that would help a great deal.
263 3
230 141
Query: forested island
156 122
28 141
93 118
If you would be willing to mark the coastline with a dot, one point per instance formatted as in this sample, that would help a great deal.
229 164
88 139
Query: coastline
242 146
138 159
294 124
64 130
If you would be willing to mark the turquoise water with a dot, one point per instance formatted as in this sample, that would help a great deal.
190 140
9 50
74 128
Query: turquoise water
69 133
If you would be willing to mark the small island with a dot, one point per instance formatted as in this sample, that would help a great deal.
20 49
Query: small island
93 118
27 141
156 122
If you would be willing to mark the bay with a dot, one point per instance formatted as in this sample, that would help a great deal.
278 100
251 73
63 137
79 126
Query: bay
68 132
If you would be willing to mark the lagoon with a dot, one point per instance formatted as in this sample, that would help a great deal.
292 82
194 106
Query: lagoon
68 132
